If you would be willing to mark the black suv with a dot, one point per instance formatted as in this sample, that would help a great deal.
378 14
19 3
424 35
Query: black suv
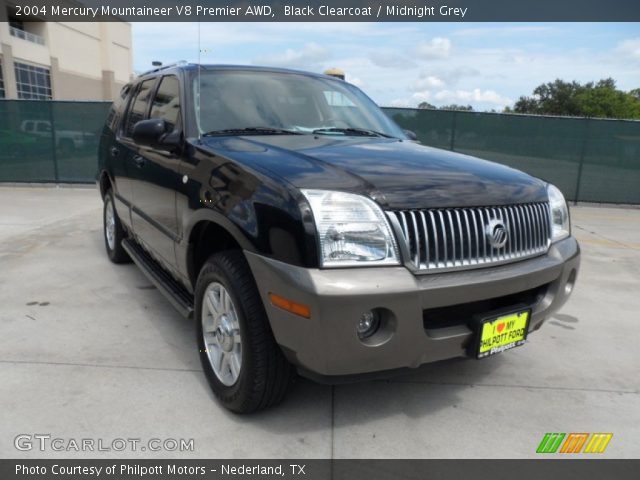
305 231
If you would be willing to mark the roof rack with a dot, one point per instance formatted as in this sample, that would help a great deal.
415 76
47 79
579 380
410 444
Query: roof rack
179 63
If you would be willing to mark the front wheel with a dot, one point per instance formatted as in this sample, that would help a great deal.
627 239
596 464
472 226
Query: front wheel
241 360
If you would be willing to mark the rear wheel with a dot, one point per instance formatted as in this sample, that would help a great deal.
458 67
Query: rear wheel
241 360
114 232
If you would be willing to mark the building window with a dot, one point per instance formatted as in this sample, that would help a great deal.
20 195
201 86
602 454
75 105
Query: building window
2 95
33 83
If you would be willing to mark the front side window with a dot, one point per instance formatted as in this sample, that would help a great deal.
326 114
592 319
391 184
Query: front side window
166 103
296 102
138 108
32 82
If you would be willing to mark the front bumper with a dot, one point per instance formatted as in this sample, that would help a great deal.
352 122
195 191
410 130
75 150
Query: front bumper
326 344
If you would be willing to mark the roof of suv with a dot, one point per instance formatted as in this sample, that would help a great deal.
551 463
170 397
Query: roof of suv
210 67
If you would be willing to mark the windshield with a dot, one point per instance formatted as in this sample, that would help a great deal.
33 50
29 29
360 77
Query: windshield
288 102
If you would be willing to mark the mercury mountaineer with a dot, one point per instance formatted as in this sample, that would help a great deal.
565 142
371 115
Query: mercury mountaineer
304 231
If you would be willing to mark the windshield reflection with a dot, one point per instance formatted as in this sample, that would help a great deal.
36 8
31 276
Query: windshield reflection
250 102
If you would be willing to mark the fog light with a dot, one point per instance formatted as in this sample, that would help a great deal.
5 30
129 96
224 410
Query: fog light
568 288
368 324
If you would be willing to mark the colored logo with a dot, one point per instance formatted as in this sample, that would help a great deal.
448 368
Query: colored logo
574 443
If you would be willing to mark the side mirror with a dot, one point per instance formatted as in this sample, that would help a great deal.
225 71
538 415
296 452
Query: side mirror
153 133
411 135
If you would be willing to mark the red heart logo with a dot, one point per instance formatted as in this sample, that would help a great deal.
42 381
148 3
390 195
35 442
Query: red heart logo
500 327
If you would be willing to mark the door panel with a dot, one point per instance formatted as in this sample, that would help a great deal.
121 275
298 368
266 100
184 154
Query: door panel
125 149
122 183
112 154
157 177
154 213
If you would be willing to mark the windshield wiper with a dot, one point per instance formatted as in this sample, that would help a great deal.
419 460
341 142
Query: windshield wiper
353 131
251 131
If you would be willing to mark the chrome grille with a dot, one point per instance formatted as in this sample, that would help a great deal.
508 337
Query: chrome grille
455 238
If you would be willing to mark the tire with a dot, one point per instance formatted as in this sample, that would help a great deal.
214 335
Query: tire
113 231
239 339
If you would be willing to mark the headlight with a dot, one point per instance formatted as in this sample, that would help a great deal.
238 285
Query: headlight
560 227
352 230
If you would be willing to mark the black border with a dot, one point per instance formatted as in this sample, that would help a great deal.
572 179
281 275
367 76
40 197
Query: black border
481 319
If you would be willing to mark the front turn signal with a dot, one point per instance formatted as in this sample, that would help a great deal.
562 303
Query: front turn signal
290 306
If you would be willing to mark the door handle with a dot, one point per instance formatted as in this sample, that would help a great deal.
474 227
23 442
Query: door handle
114 152
139 161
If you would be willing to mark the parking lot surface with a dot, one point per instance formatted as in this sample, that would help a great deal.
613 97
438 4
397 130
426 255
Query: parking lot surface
89 349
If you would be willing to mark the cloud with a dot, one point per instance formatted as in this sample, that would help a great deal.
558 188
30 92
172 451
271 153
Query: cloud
502 31
356 81
454 75
426 82
401 102
310 55
394 61
438 47
630 48
441 97
386 58
423 96
475 95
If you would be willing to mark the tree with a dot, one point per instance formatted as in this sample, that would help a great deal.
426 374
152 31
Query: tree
426 106
601 99
454 106
607 102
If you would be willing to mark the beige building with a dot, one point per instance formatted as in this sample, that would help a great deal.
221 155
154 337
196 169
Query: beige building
62 61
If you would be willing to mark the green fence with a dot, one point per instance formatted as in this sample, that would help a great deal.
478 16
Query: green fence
590 160
50 141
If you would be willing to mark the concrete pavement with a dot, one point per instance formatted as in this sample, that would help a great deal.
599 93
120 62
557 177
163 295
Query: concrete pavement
89 349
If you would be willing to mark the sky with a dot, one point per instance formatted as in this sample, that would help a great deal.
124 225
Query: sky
486 65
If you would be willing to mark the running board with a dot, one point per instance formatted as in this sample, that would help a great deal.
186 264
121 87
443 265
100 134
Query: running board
179 297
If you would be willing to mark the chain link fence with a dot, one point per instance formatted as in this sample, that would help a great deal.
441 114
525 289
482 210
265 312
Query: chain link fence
588 159
50 141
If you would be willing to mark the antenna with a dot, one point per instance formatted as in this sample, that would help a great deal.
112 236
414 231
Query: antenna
199 83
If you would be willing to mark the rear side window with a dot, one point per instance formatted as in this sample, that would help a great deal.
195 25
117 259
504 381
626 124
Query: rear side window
138 107
166 103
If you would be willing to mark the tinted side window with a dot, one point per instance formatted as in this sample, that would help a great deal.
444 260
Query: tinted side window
138 106
166 104
116 107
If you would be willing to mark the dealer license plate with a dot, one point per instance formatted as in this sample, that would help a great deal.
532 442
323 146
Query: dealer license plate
503 333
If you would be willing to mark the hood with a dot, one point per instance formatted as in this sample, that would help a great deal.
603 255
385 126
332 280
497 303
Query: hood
397 174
